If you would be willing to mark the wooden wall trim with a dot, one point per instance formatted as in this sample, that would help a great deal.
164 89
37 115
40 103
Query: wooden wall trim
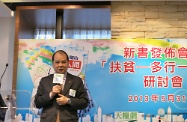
62 7
16 48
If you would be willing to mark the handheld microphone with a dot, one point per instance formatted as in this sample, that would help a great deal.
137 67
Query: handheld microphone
3 73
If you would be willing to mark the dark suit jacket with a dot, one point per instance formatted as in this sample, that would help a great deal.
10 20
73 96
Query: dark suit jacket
68 113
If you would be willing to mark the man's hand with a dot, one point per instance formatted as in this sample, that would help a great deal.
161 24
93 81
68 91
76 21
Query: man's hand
55 90
62 100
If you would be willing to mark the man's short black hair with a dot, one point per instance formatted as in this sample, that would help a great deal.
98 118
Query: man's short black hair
60 51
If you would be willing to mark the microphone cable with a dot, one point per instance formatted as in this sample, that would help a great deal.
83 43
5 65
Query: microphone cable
3 74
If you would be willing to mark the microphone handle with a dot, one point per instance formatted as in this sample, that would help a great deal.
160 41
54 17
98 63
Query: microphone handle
57 84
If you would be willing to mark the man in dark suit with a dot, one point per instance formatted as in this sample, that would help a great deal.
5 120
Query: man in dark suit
60 102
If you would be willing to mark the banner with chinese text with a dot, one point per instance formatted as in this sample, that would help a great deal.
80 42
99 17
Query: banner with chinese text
141 80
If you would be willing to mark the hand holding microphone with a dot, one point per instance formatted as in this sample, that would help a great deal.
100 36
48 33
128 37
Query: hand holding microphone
58 80
55 90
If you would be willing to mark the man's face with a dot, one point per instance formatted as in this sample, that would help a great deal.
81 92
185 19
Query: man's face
60 63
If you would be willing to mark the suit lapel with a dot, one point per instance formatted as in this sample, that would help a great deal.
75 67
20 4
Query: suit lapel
67 84
51 84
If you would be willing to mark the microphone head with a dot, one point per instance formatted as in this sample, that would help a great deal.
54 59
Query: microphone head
6 64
